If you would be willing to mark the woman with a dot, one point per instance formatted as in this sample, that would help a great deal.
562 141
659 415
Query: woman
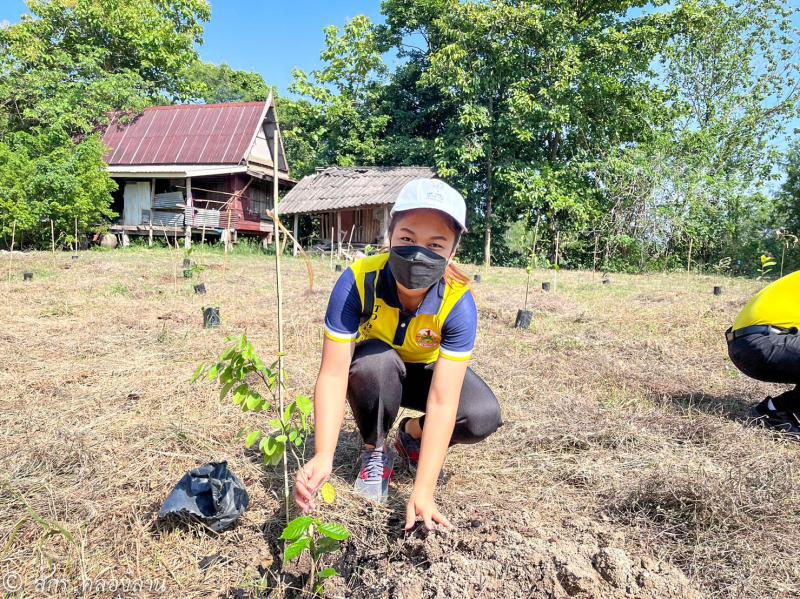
399 330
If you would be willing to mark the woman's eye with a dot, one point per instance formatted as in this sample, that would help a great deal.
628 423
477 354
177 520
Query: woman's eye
435 246
408 239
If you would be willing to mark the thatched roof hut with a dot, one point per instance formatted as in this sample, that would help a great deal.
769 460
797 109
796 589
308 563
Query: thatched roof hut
352 204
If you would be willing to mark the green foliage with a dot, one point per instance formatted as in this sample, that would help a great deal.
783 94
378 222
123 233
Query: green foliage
236 370
215 84
65 70
307 533
337 118
64 182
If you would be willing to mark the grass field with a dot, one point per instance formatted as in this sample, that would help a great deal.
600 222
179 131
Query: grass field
623 467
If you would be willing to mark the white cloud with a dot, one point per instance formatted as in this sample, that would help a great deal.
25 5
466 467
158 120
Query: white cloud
5 24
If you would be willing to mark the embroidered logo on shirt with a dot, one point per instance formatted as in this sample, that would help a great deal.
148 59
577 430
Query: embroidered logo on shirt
427 338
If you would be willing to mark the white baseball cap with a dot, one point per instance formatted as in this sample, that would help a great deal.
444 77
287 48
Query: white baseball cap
434 194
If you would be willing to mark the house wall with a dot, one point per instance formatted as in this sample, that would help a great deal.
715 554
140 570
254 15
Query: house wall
366 225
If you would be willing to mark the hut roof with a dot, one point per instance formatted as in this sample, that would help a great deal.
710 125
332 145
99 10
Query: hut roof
337 188
229 134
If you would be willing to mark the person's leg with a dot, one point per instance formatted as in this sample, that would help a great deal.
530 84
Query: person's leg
768 358
374 389
772 359
478 413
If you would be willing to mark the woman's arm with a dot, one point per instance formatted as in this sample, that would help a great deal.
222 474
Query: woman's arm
440 419
329 401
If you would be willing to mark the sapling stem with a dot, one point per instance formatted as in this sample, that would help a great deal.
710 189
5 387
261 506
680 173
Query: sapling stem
279 289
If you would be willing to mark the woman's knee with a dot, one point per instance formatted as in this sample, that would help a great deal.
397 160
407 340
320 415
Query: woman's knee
483 419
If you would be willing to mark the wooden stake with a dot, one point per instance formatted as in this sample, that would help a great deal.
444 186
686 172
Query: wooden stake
689 256
555 271
338 233
279 288
53 241
76 235
11 255
331 248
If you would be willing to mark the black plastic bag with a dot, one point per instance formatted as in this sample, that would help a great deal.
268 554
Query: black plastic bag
211 494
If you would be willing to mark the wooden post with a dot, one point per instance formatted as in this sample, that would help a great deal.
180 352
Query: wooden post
385 225
187 239
555 271
689 256
279 289
338 233
331 248
76 234
11 255
294 232
53 241
152 207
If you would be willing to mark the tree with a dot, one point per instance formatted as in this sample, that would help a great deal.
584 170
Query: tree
71 62
733 73
539 95
64 70
214 84
337 118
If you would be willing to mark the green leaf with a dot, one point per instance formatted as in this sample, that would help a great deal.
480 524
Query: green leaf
281 439
334 531
240 394
294 550
326 545
304 404
199 372
297 528
252 438
212 372
327 573
254 401
225 388
276 424
288 411
292 436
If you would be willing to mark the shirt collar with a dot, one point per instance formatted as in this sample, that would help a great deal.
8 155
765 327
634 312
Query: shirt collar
386 289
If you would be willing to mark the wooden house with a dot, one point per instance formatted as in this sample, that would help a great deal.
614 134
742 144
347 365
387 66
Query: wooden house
349 205
197 170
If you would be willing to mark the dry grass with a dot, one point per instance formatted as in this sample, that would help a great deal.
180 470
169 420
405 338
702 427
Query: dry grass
622 412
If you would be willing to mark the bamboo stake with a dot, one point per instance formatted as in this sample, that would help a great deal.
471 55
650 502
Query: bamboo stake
533 257
555 271
76 235
279 288
11 255
53 241
331 248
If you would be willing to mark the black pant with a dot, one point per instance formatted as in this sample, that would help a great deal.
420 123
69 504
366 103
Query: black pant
770 358
380 382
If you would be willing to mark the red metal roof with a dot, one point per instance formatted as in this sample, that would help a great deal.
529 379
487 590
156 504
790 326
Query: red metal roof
186 134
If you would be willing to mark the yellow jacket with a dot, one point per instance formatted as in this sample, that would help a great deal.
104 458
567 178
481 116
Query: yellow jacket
778 305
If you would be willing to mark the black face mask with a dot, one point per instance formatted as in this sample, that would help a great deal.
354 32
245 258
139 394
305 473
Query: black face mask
416 267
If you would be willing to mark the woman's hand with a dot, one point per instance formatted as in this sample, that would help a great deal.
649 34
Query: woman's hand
308 481
422 505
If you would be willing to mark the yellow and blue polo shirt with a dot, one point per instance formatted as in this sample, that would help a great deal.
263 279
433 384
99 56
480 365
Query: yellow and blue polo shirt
364 305
777 305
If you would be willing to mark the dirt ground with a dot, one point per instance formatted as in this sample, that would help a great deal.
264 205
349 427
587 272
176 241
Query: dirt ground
623 469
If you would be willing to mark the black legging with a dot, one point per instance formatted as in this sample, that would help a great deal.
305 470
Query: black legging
770 358
380 382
